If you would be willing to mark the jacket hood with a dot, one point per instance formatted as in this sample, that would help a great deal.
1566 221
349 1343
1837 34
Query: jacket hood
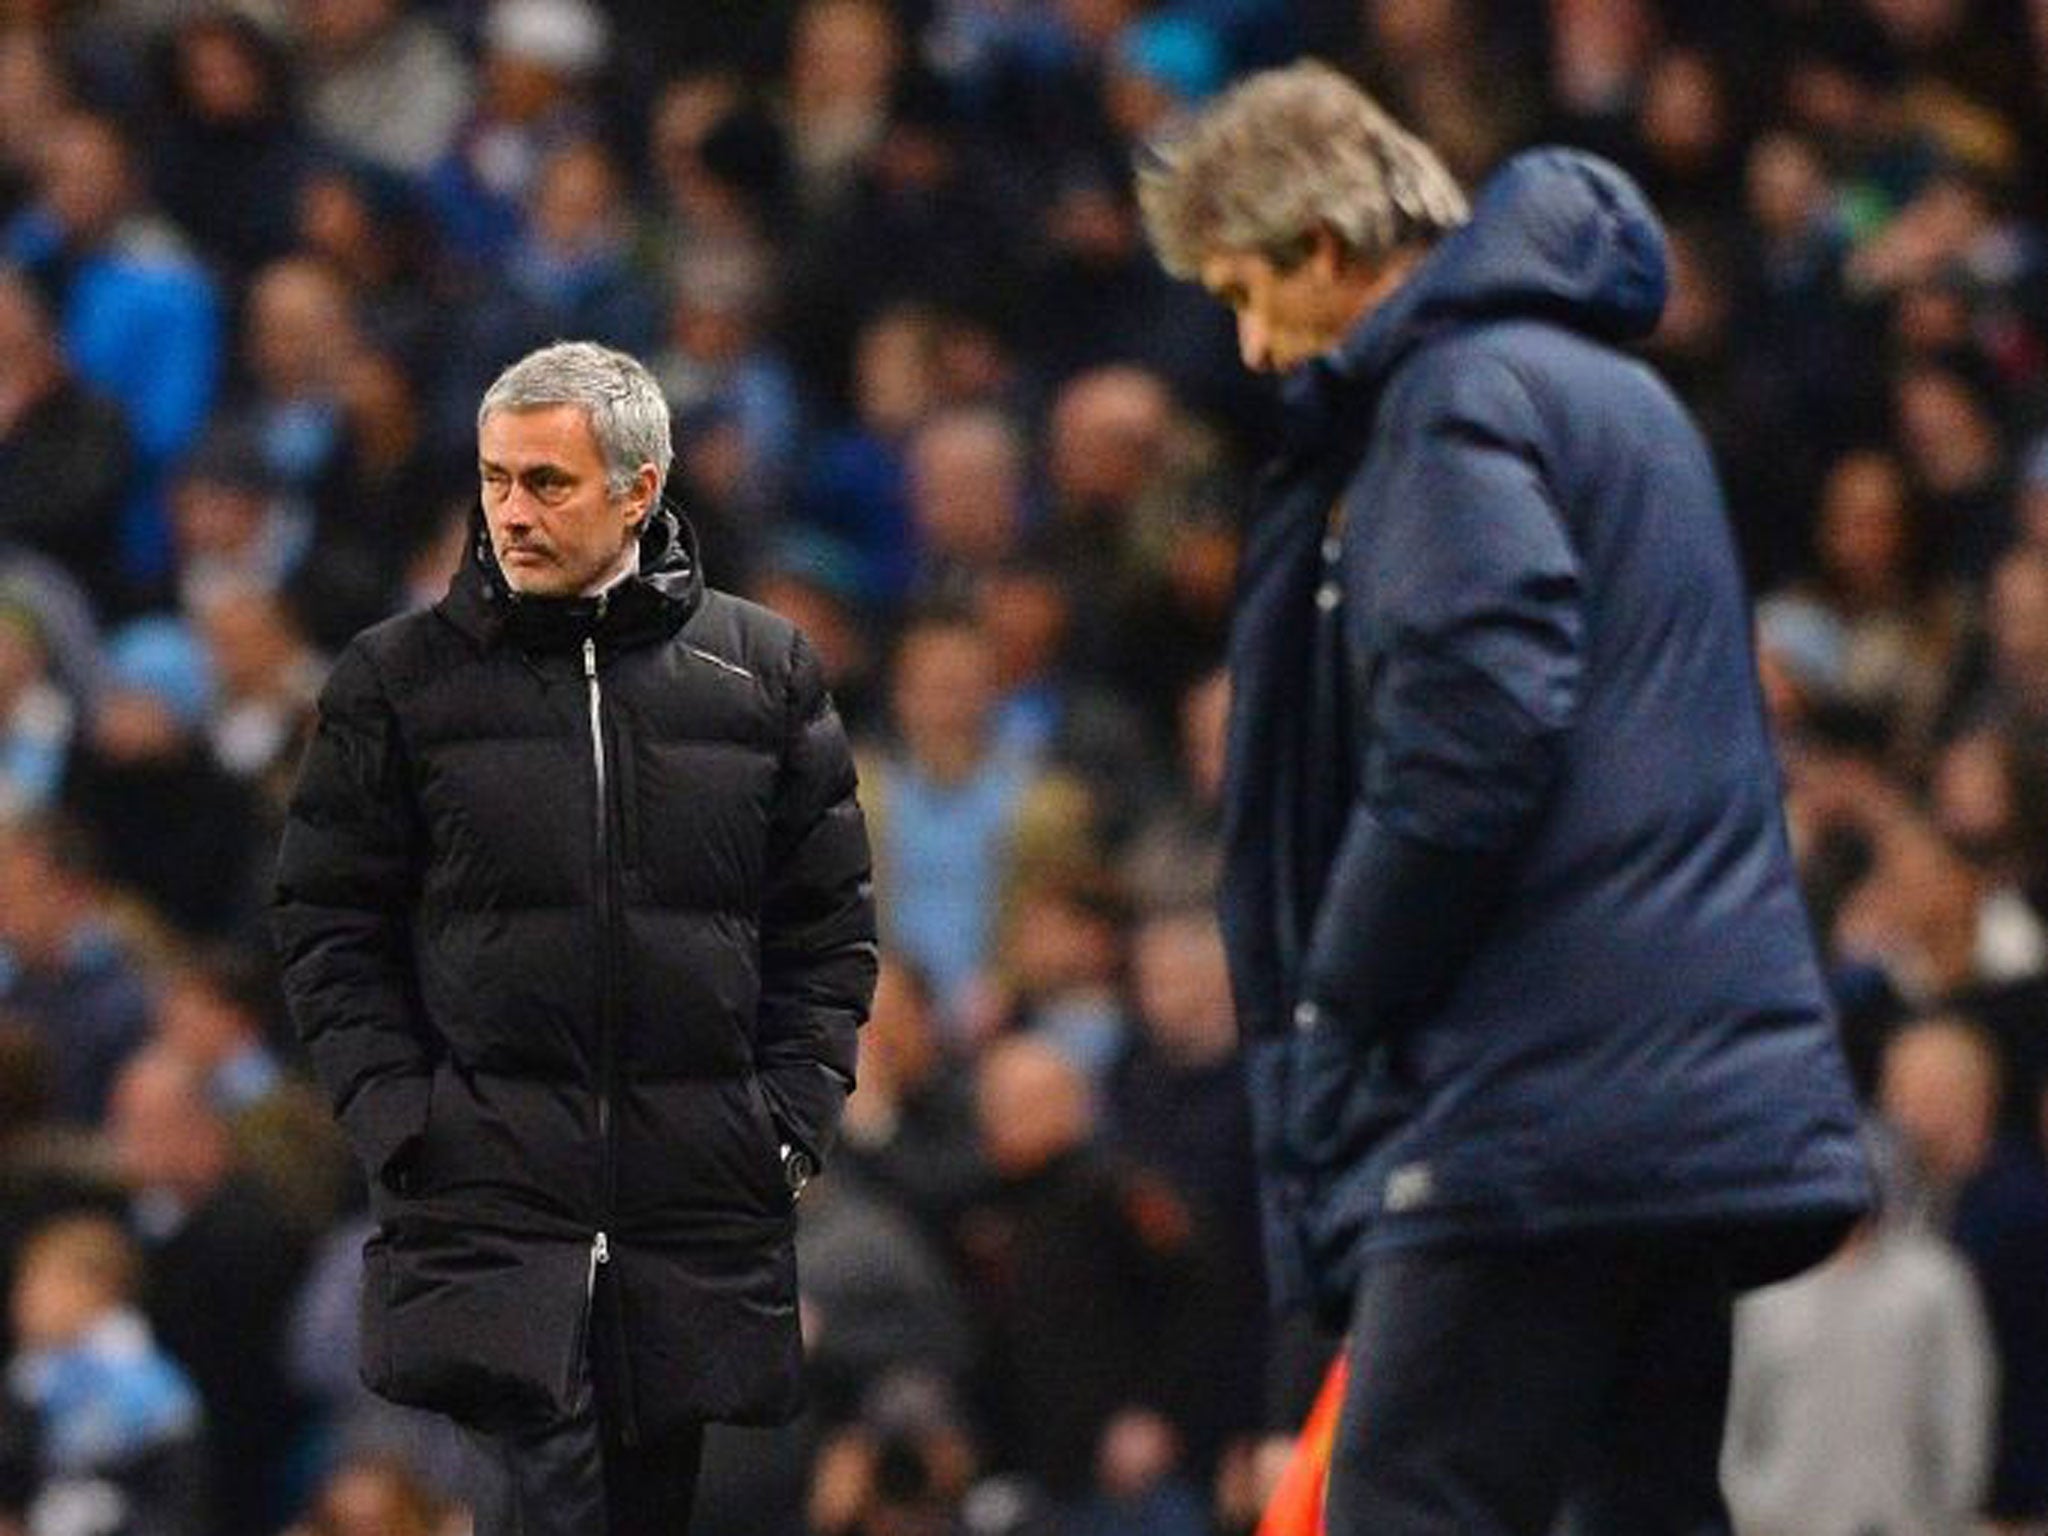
652 603
1555 235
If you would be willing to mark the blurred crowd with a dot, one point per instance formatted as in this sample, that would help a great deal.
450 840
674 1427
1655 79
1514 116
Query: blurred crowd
935 401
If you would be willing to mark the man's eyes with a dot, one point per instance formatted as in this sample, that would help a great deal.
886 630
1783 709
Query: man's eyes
542 485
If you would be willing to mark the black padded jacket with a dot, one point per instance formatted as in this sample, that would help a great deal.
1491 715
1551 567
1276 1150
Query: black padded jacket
576 923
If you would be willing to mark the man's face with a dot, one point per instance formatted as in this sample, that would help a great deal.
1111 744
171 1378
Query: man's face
1283 318
556 529
85 179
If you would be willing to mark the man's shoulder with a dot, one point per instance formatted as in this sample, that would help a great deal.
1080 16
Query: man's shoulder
742 634
1489 361
403 650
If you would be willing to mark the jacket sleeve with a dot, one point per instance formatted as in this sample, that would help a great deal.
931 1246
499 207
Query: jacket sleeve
346 876
1461 579
818 955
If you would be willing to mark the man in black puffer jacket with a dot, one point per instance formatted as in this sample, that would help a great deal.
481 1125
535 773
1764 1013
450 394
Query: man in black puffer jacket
576 923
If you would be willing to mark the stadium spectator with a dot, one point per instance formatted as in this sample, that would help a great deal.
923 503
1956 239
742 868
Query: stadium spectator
68 973
219 1271
1941 1084
228 154
66 450
957 821
1864 1390
383 82
140 318
118 1426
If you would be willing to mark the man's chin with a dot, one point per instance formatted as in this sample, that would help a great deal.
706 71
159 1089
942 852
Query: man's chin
532 578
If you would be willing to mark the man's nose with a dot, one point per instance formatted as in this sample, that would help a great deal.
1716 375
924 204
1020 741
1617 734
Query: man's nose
1254 345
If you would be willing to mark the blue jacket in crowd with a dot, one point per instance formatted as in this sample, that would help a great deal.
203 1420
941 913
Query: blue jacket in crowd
1513 923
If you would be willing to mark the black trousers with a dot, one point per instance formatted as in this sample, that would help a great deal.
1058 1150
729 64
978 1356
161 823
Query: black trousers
1497 1391
577 1477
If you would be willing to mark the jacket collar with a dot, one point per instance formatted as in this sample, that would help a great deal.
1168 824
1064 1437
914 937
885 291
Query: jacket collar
650 605
1556 235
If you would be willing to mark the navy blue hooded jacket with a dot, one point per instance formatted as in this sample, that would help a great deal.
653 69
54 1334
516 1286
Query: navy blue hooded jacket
1513 925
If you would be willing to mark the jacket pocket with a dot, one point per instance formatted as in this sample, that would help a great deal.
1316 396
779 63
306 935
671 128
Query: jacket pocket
1346 1097
373 1305
769 1138
477 1324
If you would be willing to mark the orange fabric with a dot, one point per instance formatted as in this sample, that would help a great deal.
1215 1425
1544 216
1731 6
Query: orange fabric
1297 1505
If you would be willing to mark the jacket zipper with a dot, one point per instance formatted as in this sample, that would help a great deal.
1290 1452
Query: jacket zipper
600 1253
595 690
607 1042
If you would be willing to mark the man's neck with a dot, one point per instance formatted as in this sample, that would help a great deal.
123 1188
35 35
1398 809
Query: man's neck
627 568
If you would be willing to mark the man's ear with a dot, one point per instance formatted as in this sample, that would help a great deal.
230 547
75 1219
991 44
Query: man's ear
640 496
1327 252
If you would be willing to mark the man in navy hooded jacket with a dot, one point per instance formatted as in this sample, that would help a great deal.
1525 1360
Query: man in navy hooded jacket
1543 1068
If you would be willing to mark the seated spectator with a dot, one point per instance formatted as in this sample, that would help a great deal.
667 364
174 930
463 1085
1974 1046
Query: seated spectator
268 677
954 817
1061 962
844 58
815 581
47 1168
1903 627
720 169
1940 1086
540 59
855 487
1141 1483
1947 419
1176 1104
36 93
368 228
719 362
37 720
1050 710
566 270
234 521
68 973
1863 1390
2015 686
909 1129
63 613
905 1462
174 826
299 332
221 1269
227 153
374 510
383 82
217 1011
1080 1272
878 1297
1174 859
1989 797
118 1425
140 318
376 1496
1147 566
66 449
966 470
1934 923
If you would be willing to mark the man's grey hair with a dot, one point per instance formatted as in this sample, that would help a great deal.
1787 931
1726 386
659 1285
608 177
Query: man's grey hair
1283 154
628 413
